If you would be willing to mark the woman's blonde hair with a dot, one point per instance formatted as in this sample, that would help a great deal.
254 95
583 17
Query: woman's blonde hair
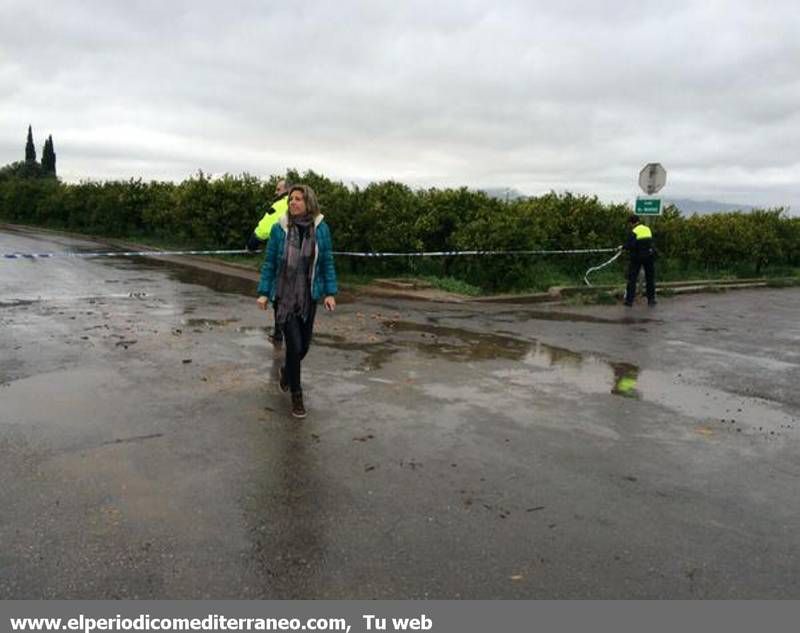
312 206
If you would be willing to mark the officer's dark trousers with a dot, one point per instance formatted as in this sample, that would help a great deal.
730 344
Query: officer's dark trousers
634 267
297 339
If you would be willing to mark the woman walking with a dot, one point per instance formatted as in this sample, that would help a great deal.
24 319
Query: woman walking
297 272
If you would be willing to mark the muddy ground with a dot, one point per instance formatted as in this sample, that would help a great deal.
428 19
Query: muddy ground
451 451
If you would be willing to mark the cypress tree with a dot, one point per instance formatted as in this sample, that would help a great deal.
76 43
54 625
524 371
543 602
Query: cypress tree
30 150
46 157
52 162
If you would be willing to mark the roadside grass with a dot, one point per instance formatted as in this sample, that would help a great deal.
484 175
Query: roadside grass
349 278
451 284
783 282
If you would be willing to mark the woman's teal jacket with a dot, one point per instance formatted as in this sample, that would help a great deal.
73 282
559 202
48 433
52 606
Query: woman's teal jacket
323 278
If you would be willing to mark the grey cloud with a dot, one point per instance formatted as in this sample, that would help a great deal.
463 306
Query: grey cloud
567 95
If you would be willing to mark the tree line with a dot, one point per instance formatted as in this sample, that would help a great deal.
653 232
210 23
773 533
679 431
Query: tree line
220 212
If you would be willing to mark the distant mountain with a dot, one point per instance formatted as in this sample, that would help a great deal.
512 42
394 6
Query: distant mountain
688 206
503 193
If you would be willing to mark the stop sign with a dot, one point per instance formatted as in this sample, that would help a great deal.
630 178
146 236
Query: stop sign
652 177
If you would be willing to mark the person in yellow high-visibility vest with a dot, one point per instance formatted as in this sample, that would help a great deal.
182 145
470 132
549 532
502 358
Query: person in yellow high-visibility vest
278 208
260 235
642 255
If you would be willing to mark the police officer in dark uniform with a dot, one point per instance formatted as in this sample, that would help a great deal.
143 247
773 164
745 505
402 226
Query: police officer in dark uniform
642 255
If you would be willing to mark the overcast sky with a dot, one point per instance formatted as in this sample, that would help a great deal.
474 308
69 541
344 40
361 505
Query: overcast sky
535 96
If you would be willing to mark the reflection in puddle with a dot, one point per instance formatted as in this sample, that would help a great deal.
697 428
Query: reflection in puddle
376 358
454 344
592 375
286 516
626 378
544 365
541 365
375 354
457 344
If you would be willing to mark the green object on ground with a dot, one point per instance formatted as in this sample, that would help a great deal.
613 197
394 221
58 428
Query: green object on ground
625 385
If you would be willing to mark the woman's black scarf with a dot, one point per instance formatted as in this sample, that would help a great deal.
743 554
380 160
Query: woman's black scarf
293 293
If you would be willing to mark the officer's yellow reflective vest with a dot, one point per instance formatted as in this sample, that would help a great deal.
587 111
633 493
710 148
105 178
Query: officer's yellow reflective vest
279 208
642 232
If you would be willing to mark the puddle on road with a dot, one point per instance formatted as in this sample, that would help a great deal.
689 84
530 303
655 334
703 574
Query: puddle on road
80 398
209 323
457 344
547 365
375 354
539 365
260 329
534 363
592 375
522 314
17 303
336 340
188 275
547 315
131 280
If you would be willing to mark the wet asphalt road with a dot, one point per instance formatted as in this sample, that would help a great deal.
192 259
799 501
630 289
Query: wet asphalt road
451 451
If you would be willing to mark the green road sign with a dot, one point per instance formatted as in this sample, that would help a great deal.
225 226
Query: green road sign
648 206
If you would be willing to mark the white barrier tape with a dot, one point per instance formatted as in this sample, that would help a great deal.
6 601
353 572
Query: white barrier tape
603 265
119 254
457 253
340 253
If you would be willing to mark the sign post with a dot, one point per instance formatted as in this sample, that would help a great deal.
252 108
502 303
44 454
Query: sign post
651 179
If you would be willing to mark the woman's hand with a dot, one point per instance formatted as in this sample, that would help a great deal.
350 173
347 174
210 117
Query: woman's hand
330 303
262 302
